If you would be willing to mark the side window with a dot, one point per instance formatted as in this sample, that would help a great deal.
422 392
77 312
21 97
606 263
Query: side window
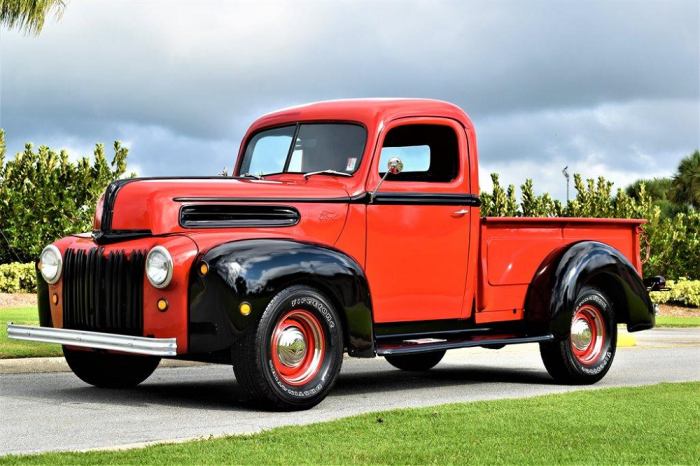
428 153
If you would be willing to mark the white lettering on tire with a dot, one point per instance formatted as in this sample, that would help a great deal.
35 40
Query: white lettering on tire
316 304
298 393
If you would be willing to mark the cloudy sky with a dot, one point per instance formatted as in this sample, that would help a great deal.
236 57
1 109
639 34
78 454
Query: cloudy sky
609 89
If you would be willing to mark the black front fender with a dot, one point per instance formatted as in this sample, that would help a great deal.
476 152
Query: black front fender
254 271
551 298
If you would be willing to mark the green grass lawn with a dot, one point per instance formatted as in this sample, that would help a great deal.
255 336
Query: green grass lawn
23 349
657 424
692 321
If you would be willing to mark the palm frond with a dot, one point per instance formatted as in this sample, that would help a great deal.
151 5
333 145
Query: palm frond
29 15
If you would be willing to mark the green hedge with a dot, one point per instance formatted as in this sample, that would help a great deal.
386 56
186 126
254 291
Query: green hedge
46 195
683 292
17 278
675 240
21 278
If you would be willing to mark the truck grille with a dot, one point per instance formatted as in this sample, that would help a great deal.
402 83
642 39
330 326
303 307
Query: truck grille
103 293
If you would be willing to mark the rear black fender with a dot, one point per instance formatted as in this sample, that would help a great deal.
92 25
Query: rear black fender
551 297
254 271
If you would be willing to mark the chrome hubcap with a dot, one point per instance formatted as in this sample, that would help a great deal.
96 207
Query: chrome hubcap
581 334
587 334
291 347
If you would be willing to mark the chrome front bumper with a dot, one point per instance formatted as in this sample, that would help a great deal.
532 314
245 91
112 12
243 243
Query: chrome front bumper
97 340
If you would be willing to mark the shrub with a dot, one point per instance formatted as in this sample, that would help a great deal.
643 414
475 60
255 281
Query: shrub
675 240
44 196
17 278
683 292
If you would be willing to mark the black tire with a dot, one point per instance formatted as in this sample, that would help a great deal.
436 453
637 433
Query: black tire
107 370
258 368
416 362
588 364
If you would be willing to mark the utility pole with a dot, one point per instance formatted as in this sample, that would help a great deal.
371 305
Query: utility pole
565 172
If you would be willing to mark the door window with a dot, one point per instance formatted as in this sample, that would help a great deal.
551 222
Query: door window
428 153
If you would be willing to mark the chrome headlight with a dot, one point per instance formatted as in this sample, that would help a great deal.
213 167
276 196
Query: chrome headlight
51 264
159 267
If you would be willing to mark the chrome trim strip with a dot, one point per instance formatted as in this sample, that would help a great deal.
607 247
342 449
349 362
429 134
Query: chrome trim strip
97 340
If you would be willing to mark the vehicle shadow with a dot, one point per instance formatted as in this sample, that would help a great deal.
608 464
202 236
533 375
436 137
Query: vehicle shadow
393 379
215 388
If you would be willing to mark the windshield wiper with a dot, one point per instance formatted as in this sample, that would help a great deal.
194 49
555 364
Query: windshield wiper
326 172
250 175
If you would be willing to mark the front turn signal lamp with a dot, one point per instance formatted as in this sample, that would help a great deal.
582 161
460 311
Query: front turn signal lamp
51 264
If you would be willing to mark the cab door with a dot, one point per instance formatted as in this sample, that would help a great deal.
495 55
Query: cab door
418 224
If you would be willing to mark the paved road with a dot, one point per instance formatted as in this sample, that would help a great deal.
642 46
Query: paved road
42 412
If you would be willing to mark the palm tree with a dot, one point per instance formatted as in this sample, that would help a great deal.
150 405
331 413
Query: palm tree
685 187
29 15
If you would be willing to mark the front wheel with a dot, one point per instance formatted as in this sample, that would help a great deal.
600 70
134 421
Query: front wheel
587 354
416 362
108 370
290 358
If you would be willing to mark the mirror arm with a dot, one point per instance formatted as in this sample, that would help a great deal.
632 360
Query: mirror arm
374 193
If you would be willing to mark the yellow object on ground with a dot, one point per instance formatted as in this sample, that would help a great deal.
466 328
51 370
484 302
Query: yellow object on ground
624 338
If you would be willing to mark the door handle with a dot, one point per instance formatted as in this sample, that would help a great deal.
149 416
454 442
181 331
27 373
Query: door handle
459 213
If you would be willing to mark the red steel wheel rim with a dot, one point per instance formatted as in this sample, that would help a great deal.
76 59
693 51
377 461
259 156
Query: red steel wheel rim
587 334
297 347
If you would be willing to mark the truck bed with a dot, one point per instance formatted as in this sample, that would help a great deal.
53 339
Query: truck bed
512 249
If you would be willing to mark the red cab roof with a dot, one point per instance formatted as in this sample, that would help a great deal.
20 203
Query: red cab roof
370 112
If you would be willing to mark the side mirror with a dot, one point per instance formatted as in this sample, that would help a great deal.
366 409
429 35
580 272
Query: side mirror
394 166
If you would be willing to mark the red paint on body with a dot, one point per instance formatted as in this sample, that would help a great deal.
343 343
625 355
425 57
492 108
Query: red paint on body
423 262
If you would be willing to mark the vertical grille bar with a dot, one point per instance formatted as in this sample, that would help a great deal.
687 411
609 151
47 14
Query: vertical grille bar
67 277
103 293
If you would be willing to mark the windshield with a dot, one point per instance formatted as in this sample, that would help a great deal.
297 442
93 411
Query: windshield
316 147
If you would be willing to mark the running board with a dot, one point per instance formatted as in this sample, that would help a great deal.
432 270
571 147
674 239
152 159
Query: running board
425 345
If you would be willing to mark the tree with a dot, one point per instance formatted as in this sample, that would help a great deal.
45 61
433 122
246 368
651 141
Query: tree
685 187
659 190
656 188
29 15
44 196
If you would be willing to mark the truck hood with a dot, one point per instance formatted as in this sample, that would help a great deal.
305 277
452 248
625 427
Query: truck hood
153 206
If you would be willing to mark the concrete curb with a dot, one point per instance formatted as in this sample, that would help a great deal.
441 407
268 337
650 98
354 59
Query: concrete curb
44 365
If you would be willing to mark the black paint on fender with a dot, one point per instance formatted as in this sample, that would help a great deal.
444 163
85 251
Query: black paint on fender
550 300
254 271
43 300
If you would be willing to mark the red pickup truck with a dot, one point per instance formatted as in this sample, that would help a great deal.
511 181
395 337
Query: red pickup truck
347 226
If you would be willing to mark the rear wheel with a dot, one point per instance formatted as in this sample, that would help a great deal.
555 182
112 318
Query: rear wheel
290 358
107 370
417 361
587 354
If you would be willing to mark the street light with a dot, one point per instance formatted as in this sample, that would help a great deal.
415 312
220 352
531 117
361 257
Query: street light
565 172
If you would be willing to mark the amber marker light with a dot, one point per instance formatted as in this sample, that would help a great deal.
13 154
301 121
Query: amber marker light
245 308
204 269
54 299
162 305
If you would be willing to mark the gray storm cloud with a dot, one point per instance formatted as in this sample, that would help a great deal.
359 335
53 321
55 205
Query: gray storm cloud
608 88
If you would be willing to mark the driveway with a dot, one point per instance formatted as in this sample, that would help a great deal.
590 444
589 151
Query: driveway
56 411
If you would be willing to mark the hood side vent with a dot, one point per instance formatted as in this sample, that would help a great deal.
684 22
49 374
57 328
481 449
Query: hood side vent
237 216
